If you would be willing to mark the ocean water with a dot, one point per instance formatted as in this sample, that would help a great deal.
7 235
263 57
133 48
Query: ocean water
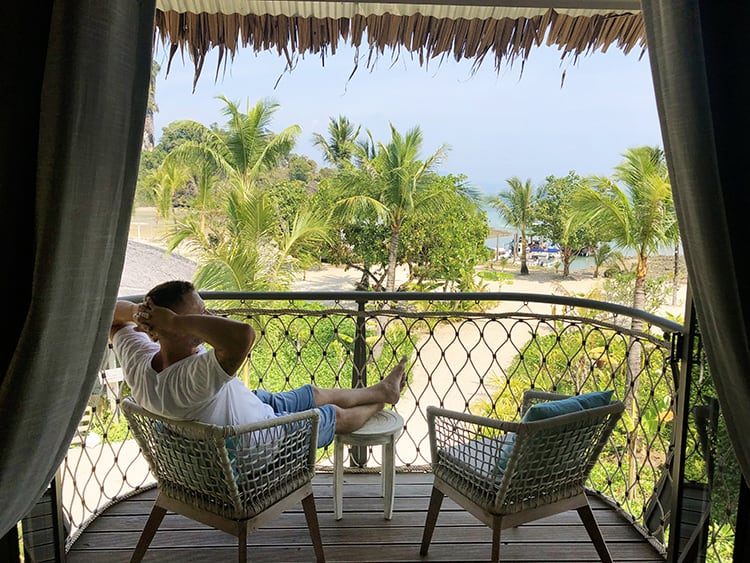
579 263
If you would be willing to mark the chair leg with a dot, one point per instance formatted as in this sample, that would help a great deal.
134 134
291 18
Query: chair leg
152 524
497 529
587 516
311 515
242 542
436 499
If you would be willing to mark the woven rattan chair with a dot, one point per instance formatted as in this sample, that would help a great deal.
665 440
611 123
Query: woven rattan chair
543 473
233 478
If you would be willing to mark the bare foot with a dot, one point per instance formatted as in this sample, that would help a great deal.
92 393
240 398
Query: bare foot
394 382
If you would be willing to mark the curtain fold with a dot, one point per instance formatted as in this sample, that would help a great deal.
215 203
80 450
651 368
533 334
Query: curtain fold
79 97
698 54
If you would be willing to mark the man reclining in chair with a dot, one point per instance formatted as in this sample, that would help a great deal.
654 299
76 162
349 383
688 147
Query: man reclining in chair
160 346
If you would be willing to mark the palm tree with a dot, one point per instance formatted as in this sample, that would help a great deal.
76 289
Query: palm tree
604 254
249 249
638 217
240 153
340 146
396 184
516 208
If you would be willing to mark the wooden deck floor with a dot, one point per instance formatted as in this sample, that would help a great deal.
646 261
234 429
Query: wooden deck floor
362 534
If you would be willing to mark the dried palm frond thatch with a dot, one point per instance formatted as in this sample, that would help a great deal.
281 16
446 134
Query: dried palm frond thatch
426 31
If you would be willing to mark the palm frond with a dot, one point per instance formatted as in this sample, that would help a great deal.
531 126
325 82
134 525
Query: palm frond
188 232
350 207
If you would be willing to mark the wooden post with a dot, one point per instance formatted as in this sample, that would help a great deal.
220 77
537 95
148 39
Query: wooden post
680 428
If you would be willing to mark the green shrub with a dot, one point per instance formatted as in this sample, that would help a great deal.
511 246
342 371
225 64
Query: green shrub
294 349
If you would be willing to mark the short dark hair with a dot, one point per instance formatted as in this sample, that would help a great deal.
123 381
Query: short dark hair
169 294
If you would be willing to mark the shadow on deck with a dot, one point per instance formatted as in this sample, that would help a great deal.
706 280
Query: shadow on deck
362 534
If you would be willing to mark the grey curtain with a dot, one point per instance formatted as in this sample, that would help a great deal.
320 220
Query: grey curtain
74 97
698 51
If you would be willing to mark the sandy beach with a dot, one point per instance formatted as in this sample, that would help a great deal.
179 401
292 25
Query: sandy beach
147 265
541 281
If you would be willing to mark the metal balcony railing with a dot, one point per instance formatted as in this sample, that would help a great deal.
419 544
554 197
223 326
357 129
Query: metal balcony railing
472 352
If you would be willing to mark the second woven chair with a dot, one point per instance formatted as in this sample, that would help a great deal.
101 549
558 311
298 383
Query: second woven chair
510 473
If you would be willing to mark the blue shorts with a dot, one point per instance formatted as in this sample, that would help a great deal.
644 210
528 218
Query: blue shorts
298 400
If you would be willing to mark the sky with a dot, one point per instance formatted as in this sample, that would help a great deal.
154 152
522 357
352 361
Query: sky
523 122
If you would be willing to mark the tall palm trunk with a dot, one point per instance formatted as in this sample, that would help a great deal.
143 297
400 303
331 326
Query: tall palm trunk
524 266
632 379
392 259
148 131
567 256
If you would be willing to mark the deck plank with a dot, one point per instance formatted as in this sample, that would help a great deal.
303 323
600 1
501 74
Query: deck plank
362 534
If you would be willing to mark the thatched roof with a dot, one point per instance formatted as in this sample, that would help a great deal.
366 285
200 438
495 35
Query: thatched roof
462 29
147 265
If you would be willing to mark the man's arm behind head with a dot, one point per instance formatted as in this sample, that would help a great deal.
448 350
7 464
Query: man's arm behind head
230 339
122 316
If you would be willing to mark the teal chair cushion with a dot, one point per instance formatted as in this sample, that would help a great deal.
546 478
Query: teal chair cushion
595 399
505 450
549 409
576 403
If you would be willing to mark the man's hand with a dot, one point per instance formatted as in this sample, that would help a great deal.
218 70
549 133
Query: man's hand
154 320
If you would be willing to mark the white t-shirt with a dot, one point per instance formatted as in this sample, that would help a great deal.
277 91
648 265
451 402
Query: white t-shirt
195 388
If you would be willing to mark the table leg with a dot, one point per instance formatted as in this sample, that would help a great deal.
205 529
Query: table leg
338 478
389 476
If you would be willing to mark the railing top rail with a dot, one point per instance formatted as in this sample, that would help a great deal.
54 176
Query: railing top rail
366 296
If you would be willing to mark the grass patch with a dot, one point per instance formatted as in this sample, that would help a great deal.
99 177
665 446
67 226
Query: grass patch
495 275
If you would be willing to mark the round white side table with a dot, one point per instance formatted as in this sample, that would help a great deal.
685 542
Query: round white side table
383 428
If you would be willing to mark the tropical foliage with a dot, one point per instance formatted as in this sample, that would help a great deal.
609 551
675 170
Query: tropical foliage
553 221
446 251
634 210
253 213
340 147
603 255
234 226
